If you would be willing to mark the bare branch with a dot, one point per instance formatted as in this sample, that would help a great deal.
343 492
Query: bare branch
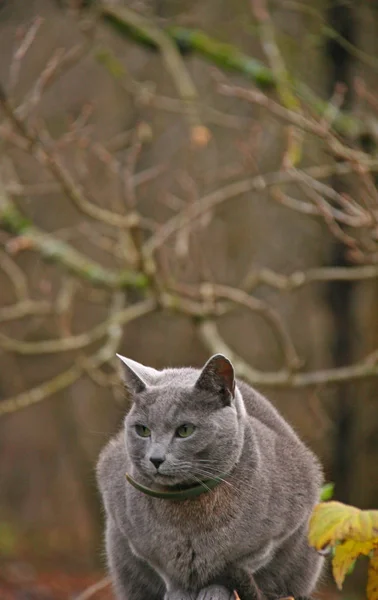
356 215
283 86
53 249
41 392
15 274
286 114
145 95
76 342
93 589
257 183
21 51
213 341
319 128
211 292
171 56
69 377
47 158
300 278
230 58
56 67
25 308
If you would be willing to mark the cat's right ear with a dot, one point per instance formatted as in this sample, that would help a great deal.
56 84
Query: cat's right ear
218 376
136 377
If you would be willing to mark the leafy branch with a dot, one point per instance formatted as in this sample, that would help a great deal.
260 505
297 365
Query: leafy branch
349 533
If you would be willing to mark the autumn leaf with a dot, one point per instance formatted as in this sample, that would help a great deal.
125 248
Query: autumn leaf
351 533
372 584
345 555
333 522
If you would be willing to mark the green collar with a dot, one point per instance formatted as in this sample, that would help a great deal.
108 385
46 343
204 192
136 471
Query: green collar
184 494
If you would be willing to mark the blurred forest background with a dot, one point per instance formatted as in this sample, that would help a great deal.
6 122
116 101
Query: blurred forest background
179 178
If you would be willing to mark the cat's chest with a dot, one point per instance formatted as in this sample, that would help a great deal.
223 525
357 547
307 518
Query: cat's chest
186 542
181 554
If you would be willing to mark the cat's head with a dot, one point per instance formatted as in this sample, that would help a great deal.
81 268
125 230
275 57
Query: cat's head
184 425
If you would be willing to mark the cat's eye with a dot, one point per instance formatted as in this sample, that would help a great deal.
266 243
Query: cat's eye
185 430
143 431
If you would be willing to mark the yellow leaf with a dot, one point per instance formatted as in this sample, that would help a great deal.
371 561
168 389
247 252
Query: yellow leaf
333 522
372 584
345 554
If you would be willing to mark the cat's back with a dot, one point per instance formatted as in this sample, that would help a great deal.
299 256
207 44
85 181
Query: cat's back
294 459
258 407
110 472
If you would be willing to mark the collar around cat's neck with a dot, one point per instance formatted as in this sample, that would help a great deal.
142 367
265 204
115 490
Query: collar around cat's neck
185 494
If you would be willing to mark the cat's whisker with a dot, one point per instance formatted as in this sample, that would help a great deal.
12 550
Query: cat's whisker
205 460
202 483
214 476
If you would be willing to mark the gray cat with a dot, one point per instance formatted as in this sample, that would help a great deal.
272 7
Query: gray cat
218 492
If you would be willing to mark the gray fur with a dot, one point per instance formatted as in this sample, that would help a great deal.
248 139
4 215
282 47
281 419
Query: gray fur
249 533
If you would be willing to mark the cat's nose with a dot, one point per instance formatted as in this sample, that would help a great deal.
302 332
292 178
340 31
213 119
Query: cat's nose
157 461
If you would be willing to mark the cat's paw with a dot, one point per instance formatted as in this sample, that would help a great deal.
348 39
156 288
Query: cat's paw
215 592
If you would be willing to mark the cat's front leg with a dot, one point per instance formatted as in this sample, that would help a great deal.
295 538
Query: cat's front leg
211 592
215 592
239 579
132 578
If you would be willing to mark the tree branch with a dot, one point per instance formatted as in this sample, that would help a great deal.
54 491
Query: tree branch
77 342
24 308
257 183
228 57
52 249
285 379
300 278
212 292
68 377
15 274
94 588
146 30
41 392
32 143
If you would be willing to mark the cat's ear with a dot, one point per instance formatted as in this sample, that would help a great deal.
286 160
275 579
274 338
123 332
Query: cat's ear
136 377
218 376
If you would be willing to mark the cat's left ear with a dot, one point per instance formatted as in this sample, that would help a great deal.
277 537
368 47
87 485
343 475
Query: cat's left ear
218 376
137 377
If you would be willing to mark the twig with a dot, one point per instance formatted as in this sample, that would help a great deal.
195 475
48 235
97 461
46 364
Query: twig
284 113
257 183
53 249
145 95
240 297
284 89
213 341
320 129
300 278
47 158
22 49
55 69
13 271
76 342
327 213
25 308
230 58
94 588
171 56
67 378
41 392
